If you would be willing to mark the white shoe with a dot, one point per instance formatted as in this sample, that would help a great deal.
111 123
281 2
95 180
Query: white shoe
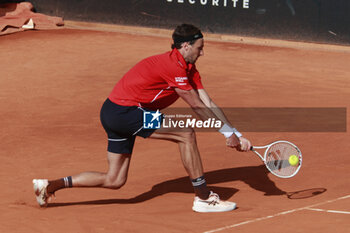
212 204
40 189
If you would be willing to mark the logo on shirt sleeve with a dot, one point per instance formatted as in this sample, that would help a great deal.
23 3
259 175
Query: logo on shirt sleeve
181 81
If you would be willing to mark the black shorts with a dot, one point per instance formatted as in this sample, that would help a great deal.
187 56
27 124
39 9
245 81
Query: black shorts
122 124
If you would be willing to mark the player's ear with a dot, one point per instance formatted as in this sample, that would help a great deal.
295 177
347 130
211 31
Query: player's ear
186 45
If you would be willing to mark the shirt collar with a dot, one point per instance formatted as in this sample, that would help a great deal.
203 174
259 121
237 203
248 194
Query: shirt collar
180 60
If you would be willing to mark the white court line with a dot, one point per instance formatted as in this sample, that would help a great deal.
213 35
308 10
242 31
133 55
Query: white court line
275 215
329 211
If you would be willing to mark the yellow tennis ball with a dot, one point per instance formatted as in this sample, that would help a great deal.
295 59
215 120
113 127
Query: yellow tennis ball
293 160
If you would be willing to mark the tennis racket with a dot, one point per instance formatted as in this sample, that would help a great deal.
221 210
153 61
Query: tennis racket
276 158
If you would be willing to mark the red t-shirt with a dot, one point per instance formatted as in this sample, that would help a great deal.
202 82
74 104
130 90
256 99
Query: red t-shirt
151 82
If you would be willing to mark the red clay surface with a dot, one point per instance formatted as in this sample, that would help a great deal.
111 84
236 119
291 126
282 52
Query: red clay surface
54 82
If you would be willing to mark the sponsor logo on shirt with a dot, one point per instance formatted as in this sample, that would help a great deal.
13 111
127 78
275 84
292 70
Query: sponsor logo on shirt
181 80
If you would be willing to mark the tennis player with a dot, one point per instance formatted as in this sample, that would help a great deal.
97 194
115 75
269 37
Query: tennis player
154 84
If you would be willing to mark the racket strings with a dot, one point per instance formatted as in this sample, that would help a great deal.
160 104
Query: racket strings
277 159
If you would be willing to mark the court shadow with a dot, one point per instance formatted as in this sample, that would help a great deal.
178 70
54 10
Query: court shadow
255 176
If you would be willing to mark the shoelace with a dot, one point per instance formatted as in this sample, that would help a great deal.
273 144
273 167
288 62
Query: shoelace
216 199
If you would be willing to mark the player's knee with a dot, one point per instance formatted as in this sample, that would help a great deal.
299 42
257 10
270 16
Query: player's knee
189 136
115 183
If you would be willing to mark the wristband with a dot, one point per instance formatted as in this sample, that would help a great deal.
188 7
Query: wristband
227 131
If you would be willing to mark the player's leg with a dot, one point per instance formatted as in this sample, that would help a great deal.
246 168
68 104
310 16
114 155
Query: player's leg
120 124
190 156
114 178
205 200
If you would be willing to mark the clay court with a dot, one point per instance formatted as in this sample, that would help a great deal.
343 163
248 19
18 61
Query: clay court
53 83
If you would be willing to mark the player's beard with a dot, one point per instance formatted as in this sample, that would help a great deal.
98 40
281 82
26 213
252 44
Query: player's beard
193 60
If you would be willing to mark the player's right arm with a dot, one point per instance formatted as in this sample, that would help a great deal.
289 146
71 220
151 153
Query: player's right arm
203 95
199 107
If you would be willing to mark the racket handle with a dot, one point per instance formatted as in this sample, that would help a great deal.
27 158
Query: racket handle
251 148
